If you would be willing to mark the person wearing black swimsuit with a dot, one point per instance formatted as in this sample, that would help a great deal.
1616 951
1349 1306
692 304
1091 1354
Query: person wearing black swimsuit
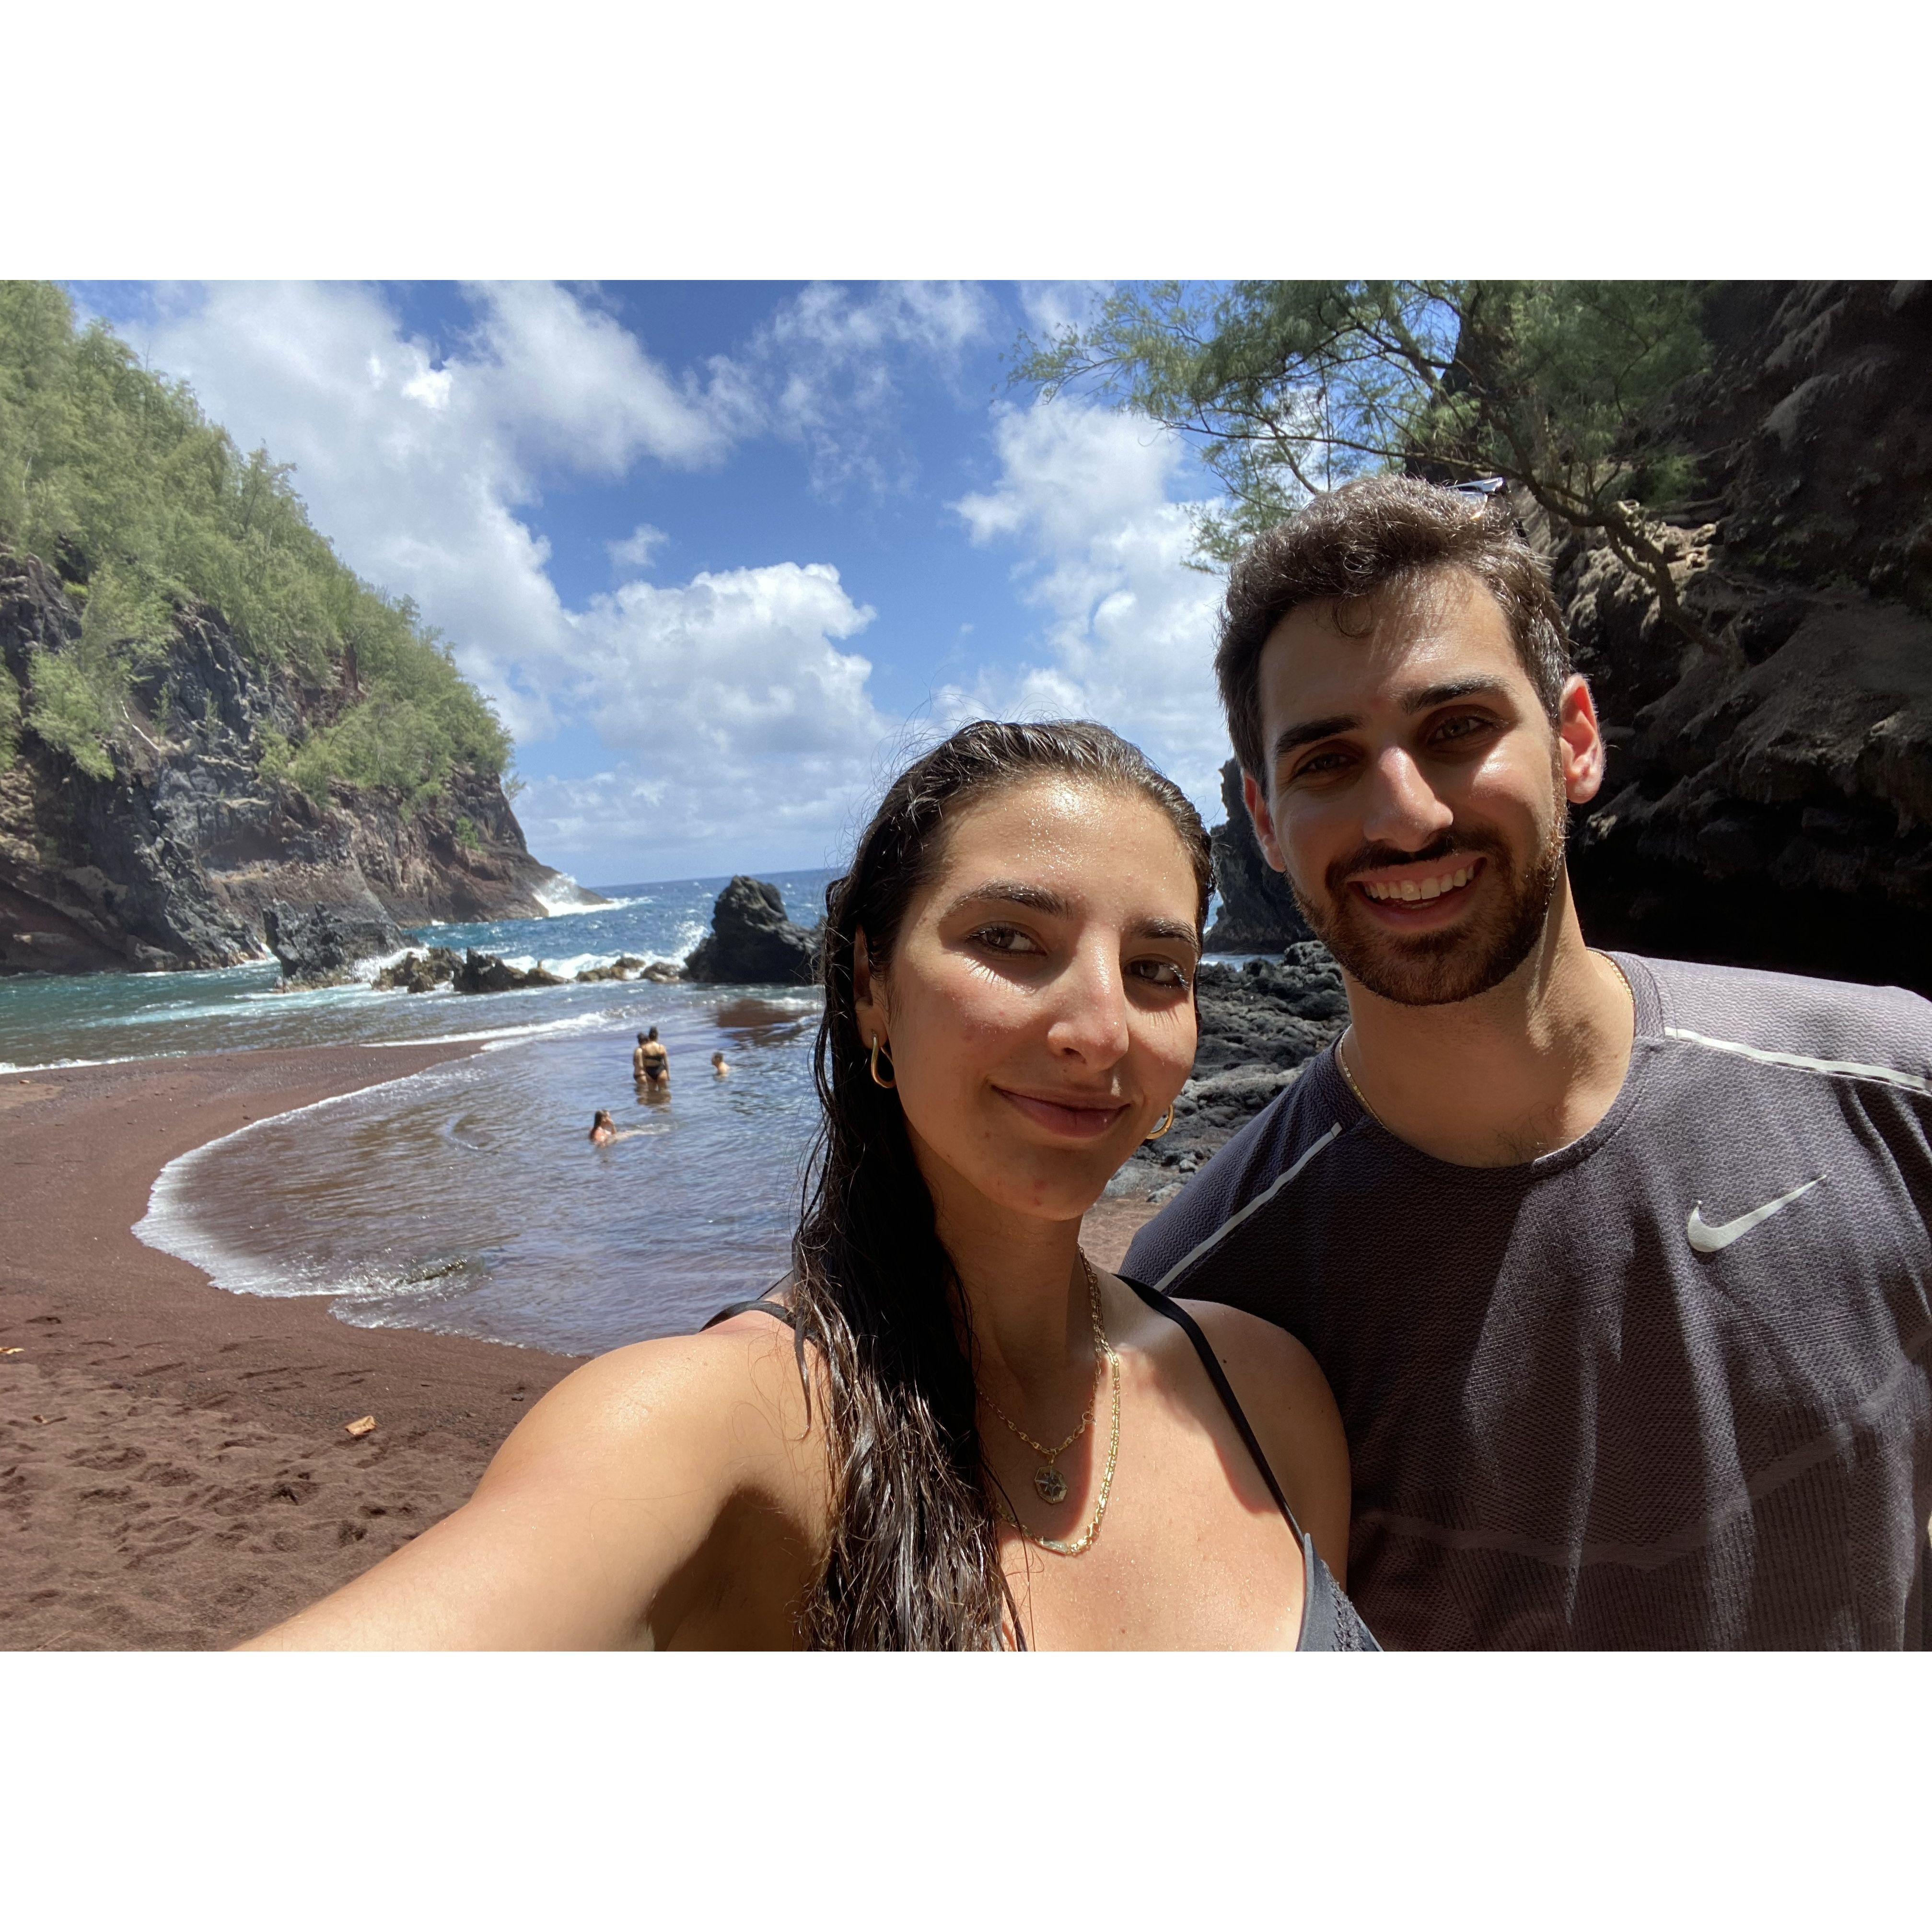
958 1433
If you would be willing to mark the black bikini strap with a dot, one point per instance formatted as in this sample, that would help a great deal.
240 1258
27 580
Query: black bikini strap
764 1307
1164 1304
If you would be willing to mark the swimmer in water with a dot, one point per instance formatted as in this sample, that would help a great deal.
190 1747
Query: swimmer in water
603 1129
650 1064
720 1065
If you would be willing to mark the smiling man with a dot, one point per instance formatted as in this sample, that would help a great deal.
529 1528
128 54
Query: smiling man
1619 1268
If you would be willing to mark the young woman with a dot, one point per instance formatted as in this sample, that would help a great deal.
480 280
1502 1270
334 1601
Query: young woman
945 1429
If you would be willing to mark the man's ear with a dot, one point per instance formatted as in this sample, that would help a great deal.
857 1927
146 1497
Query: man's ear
1579 742
1259 816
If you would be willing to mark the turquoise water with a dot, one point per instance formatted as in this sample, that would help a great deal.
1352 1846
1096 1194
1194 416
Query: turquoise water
467 1199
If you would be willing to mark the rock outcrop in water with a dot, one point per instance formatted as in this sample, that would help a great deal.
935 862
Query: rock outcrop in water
751 942
1257 911
419 972
484 972
173 859
318 945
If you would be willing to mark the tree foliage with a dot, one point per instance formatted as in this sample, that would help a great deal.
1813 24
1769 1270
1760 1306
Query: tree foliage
114 477
1289 387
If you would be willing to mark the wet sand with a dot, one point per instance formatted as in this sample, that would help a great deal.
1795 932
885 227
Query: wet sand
174 1472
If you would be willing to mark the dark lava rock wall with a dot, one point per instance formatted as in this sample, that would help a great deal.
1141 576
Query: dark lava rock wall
1258 912
1768 800
1261 1024
173 859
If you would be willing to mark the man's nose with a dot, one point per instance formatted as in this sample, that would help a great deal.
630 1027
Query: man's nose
1403 809
1092 1021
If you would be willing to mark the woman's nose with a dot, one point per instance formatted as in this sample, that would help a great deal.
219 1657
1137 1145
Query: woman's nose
1092 1021
1403 810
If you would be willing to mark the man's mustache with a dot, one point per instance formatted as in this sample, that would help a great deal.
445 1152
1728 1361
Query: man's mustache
1372 856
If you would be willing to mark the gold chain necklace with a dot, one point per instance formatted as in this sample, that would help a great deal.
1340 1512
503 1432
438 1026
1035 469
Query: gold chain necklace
1046 1479
1080 1544
1362 1099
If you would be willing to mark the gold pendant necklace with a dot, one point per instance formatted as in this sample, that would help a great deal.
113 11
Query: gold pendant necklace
1048 1480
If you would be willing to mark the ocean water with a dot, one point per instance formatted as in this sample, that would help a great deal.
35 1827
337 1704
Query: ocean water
468 1199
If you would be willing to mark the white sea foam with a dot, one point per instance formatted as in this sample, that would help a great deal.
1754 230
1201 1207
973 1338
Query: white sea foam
567 897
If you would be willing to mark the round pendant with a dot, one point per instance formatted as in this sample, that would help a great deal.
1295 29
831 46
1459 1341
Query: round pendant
1051 1484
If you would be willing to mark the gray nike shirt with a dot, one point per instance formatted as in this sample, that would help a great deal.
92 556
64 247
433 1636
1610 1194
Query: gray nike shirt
1667 1388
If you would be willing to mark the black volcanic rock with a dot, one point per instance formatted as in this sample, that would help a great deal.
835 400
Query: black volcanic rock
419 972
484 972
1769 799
1257 911
1261 1024
751 942
319 944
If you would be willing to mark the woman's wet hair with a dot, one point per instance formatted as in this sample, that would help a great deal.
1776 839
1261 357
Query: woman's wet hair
913 1558
601 1118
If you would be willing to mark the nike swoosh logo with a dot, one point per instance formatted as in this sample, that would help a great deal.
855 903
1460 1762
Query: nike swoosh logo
1709 1241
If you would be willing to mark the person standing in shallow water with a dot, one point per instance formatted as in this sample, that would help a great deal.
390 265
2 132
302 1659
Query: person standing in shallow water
650 1063
1003 1446
1619 1268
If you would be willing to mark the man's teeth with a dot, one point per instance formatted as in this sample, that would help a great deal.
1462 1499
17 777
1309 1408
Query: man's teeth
1419 888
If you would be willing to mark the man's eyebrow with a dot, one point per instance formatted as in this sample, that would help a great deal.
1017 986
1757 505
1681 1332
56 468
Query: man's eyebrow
1012 892
1447 694
1293 737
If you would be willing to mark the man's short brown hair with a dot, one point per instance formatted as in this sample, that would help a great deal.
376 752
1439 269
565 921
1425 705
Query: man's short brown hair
1369 536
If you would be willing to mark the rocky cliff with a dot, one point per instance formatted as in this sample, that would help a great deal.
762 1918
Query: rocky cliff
1769 795
1258 912
171 860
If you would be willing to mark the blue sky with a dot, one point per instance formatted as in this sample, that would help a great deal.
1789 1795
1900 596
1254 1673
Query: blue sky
723 553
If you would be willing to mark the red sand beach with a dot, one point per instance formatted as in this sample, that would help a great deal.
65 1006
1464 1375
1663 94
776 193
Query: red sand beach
174 1472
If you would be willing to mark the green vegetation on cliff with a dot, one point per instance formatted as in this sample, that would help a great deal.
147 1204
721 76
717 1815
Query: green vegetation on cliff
115 478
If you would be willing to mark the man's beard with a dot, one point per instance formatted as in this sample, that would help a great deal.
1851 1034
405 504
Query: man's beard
1436 969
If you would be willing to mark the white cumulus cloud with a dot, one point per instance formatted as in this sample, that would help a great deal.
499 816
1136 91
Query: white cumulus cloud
1085 495
826 363
737 717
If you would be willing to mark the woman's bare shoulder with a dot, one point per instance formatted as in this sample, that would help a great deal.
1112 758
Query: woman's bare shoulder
1288 1404
1258 1349
726 1399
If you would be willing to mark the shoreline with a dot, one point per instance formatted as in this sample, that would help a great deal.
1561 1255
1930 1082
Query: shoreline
175 1470
189 1480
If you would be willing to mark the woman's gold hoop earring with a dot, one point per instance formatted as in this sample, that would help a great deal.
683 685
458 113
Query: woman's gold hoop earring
1164 1126
876 1080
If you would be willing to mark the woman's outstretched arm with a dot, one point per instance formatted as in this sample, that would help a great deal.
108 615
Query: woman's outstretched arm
662 1494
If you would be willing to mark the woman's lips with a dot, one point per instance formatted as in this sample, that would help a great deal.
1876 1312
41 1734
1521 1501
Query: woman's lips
1061 1116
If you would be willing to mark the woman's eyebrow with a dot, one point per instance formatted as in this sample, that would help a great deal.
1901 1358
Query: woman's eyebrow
1166 928
1013 891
